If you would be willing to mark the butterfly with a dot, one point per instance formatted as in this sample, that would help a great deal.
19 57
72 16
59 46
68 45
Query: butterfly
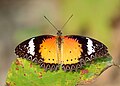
70 52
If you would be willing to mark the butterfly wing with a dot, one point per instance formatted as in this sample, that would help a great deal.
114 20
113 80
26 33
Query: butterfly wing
40 49
77 50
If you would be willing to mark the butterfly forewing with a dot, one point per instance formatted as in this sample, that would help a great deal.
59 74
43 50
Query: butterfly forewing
71 52
40 49
78 50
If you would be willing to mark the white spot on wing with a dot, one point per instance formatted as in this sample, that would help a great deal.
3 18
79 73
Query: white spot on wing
90 46
31 47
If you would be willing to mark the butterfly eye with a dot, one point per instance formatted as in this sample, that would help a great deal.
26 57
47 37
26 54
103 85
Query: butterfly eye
59 33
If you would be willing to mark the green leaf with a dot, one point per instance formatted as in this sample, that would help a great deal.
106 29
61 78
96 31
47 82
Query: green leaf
26 73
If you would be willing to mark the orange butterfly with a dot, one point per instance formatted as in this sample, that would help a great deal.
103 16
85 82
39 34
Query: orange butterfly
71 52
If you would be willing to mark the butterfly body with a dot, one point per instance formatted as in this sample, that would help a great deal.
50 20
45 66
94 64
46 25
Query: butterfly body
71 51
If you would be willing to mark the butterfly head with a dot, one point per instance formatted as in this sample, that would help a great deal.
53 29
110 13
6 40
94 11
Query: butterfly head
59 33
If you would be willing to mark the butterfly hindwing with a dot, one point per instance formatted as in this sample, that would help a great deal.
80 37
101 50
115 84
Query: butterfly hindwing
77 50
40 49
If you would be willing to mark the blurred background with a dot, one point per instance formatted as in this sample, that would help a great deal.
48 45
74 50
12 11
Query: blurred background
23 19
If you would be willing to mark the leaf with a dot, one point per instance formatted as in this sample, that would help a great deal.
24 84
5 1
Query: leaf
26 73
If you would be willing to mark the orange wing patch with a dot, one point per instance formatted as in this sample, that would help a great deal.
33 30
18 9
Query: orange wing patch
71 51
48 50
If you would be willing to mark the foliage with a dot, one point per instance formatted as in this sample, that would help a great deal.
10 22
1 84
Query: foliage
26 73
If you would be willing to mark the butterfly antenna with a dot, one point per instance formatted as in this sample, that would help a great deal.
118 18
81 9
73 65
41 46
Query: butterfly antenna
67 21
50 22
